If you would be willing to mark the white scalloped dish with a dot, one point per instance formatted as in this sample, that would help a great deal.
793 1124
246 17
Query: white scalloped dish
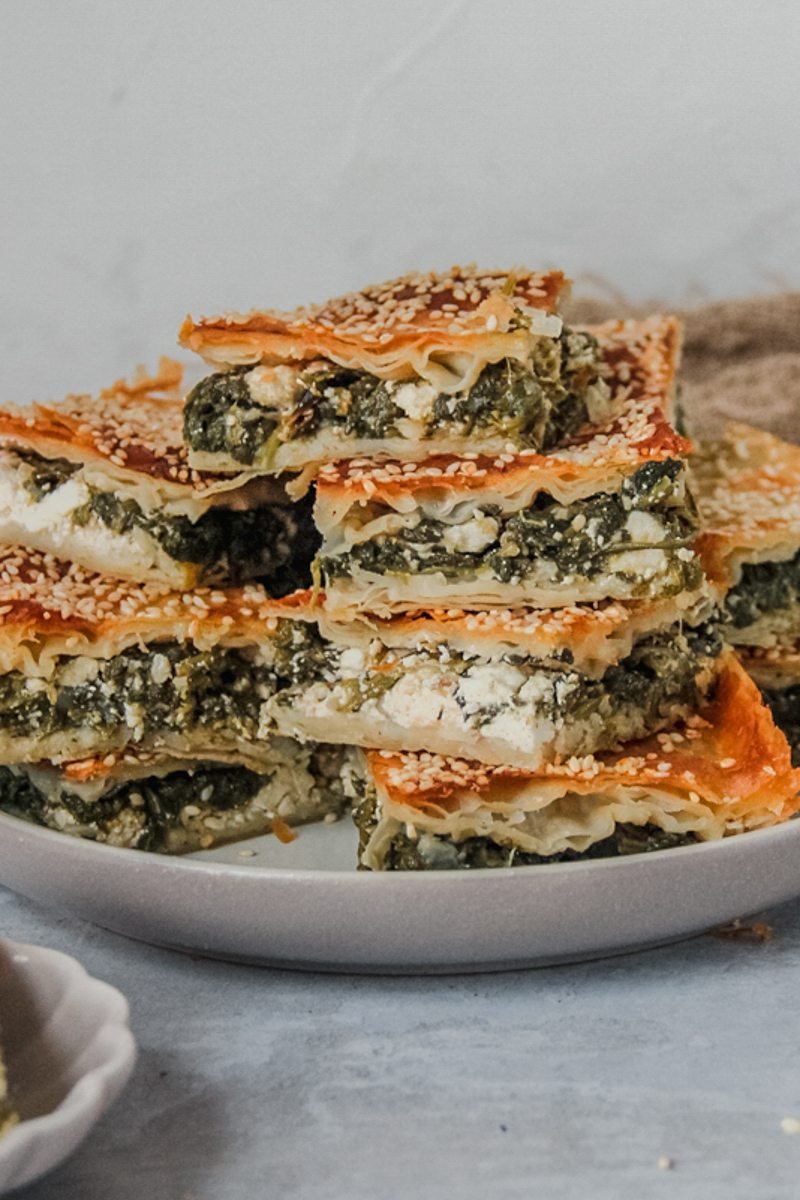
68 1050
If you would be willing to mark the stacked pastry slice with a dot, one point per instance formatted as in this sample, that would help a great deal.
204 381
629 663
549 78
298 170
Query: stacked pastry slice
748 492
104 481
426 364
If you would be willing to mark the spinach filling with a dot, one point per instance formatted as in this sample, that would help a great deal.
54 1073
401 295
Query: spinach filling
785 706
535 405
157 801
431 852
220 417
272 543
660 674
171 688
764 588
577 539
46 474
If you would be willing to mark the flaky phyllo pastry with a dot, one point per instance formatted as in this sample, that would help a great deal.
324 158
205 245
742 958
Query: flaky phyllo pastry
747 487
425 364
724 771
93 665
104 481
606 515
175 805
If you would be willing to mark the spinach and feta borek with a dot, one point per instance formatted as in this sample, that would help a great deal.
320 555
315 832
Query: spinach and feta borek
764 605
173 806
476 551
504 708
104 482
409 850
442 362
725 770
747 487
48 503
281 418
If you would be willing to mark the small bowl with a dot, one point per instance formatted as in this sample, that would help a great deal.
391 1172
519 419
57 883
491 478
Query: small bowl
69 1053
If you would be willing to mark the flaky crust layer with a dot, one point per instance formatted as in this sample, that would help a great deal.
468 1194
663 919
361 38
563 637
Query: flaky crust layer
747 487
49 607
590 637
418 324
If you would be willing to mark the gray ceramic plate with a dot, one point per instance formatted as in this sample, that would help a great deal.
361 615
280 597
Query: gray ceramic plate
303 905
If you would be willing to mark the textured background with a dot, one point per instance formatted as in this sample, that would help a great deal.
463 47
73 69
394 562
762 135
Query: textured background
188 154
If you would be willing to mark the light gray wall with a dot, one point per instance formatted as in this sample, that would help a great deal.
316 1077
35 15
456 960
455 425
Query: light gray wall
158 157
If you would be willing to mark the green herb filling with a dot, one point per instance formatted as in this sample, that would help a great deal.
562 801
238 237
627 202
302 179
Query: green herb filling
577 539
535 405
764 589
272 543
785 706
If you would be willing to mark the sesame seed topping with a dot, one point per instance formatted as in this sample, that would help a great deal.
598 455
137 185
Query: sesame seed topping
135 426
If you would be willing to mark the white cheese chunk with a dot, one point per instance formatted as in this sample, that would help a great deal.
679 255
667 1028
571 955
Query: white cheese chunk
273 387
415 399
643 527
471 536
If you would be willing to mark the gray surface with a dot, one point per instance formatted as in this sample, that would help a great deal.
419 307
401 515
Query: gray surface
563 1082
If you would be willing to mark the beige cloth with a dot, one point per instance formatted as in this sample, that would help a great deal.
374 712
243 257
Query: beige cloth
741 361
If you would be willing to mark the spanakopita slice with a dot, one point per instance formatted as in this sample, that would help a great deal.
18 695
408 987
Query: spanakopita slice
747 487
436 363
104 481
175 805
724 771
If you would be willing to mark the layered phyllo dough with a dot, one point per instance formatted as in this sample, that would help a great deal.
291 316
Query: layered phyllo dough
421 365
173 805
747 487
92 665
608 515
104 481
724 771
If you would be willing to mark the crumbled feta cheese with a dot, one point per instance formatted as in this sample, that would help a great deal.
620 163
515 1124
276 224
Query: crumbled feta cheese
643 527
415 399
273 387
471 536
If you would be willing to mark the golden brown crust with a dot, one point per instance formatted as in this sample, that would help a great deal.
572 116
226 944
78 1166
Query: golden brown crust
731 754
50 605
642 360
131 427
387 326
747 487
